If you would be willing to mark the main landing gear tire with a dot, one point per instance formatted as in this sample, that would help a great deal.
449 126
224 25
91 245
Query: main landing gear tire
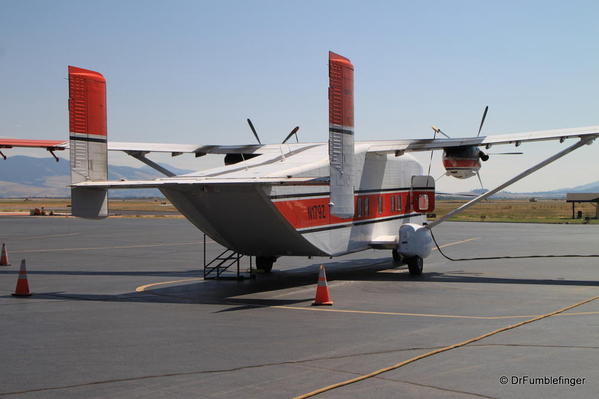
415 265
265 263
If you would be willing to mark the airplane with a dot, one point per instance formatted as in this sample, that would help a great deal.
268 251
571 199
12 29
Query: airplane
292 199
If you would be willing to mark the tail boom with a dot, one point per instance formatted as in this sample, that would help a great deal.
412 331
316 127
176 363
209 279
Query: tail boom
88 147
341 135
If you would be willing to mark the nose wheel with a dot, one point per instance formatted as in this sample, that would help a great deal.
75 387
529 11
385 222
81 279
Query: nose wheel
415 265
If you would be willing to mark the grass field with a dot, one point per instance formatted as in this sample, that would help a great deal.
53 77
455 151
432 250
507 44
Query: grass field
542 211
151 207
523 211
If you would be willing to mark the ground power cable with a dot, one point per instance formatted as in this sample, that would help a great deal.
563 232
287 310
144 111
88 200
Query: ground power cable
441 350
508 256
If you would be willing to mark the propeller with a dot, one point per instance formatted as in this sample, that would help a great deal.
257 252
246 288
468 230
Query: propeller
480 180
294 131
254 130
481 154
480 128
485 157
437 130
482 122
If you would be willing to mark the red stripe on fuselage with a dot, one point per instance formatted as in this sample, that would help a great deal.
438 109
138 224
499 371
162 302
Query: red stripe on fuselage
314 212
461 163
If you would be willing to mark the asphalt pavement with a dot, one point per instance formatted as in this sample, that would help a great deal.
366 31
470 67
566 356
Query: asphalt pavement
120 309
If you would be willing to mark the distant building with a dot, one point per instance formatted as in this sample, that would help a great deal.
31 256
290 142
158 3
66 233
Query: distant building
575 198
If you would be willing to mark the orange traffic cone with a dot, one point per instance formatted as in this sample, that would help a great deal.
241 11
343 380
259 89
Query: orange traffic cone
322 290
22 284
4 256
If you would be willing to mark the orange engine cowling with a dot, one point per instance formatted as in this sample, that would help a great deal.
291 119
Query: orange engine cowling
463 162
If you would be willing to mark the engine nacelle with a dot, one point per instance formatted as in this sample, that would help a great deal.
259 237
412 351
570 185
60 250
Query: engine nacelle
414 240
463 162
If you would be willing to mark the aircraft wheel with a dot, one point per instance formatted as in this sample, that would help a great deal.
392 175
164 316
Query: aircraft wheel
265 263
397 258
415 265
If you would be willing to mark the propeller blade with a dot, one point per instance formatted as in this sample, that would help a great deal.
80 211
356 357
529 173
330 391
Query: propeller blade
482 122
294 131
437 130
254 131
480 180
456 194
505 153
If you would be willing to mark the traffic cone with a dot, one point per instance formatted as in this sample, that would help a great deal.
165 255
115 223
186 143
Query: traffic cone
22 284
4 256
322 290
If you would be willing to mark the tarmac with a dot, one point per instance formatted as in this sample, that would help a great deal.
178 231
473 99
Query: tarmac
120 310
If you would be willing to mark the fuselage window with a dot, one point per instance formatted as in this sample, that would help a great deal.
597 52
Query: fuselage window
380 198
398 203
359 210
393 203
366 206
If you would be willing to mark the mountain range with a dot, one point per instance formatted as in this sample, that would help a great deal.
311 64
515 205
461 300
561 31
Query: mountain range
22 176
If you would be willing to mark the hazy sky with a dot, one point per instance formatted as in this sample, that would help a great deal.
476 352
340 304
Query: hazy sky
192 71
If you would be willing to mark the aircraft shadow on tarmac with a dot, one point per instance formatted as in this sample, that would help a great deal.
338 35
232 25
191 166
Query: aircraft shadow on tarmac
235 292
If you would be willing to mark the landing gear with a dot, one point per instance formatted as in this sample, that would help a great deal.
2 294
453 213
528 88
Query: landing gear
265 263
397 258
415 265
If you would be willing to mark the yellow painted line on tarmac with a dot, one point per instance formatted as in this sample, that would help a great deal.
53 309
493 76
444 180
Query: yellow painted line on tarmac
46 236
456 243
446 316
579 314
142 288
441 350
174 244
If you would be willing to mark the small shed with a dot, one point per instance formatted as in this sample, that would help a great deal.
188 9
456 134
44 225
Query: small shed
583 197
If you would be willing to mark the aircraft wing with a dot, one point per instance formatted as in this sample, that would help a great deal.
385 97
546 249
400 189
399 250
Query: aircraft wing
382 146
514 138
48 144
198 149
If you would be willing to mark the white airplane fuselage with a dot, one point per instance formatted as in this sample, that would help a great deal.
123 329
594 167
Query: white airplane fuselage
263 219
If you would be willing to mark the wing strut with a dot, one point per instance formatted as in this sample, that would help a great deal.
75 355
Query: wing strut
141 156
580 143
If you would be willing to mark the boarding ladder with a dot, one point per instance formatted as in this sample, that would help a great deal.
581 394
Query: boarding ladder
218 267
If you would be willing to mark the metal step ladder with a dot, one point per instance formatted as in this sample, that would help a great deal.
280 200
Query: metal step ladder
218 267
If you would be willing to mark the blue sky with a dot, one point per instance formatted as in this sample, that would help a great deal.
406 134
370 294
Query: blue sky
192 71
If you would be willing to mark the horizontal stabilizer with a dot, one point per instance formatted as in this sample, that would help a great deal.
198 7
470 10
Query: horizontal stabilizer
180 180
